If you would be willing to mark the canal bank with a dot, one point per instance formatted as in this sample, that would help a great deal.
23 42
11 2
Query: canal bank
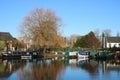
100 55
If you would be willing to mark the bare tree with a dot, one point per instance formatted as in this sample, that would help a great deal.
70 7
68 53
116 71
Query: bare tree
97 33
107 32
42 28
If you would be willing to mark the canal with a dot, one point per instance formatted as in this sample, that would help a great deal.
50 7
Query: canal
59 69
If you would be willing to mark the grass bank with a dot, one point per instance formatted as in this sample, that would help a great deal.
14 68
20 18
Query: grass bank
51 55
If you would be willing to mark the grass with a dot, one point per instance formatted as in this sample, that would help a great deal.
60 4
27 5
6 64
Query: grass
51 55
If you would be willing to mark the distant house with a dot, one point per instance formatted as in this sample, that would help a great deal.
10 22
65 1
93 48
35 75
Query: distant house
5 36
112 42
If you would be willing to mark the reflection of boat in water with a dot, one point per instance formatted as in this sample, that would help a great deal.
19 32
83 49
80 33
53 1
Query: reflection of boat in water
83 54
20 61
110 66
76 61
113 66
82 61
72 61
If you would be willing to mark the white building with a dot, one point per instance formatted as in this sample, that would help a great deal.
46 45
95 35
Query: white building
112 42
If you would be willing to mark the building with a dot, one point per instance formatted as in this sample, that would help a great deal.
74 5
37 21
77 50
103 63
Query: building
7 37
112 42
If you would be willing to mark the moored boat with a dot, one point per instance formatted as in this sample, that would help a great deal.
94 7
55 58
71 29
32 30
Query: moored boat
22 54
83 54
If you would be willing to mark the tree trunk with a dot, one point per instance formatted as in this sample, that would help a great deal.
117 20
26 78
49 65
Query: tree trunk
44 51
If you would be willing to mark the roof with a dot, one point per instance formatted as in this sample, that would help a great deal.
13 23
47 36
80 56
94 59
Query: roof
113 39
6 36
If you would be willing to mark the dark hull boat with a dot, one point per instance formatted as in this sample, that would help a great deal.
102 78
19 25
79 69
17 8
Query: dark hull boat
22 55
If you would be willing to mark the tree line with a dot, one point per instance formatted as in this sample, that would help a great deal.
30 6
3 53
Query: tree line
88 41
42 28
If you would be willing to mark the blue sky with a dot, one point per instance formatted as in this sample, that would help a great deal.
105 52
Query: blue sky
79 16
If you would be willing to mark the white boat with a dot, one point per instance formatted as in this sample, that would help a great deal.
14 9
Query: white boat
83 54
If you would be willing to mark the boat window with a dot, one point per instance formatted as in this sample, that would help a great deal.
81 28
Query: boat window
27 53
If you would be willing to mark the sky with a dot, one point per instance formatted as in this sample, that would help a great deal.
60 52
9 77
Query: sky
79 16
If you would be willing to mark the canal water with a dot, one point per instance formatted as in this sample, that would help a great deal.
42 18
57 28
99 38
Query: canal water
59 69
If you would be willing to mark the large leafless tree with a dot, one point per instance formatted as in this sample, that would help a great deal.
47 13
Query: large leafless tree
42 28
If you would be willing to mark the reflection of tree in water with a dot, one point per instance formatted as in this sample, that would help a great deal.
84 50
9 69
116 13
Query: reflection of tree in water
91 67
43 71
7 68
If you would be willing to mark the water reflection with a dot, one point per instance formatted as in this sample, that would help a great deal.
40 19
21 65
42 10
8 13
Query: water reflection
60 69
33 69
89 66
